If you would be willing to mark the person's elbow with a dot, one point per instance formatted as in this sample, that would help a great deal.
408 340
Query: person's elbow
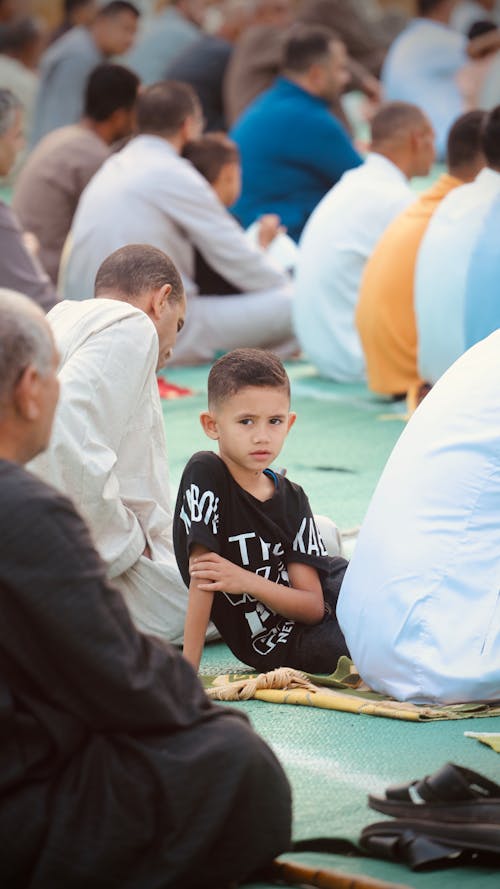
315 611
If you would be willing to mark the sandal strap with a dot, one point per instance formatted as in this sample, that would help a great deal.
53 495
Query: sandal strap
451 783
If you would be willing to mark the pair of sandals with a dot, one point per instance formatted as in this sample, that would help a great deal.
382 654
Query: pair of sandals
449 817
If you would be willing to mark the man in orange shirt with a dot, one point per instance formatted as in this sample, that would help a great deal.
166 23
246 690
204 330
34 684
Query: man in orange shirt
385 314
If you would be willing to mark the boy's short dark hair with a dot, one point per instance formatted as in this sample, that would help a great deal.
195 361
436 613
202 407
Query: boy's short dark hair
210 153
109 88
242 368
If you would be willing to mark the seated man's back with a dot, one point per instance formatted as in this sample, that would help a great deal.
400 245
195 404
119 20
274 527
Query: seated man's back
110 749
443 261
385 314
342 233
108 450
419 605
148 194
60 166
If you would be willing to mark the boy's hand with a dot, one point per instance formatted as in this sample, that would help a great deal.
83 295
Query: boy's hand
213 574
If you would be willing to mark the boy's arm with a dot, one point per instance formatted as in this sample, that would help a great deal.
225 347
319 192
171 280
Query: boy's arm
302 600
198 613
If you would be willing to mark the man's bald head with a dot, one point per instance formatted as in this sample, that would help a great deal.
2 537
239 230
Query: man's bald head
25 339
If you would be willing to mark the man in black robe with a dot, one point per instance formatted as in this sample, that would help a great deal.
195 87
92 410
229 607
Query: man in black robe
116 771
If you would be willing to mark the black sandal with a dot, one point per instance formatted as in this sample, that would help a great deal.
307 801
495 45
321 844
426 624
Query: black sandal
432 844
453 794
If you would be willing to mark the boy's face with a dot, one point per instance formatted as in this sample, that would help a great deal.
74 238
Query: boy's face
250 426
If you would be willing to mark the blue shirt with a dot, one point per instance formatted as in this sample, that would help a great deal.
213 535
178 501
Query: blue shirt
442 266
482 305
293 150
421 67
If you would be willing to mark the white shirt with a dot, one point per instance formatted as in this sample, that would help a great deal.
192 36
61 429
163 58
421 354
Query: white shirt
420 602
441 272
147 194
335 245
421 66
108 449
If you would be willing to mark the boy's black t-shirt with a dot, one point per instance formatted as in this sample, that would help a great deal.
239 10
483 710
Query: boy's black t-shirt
263 537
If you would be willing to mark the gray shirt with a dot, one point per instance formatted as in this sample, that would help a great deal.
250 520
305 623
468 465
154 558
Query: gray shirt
64 70
19 270
47 191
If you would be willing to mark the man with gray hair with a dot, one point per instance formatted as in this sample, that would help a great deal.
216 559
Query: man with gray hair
111 751
19 267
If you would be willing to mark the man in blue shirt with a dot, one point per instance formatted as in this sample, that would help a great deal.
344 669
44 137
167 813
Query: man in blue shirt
293 150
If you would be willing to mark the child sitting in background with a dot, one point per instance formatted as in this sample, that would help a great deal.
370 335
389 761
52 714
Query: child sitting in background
217 158
245 538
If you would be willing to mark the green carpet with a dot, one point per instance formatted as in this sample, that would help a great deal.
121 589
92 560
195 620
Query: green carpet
336 451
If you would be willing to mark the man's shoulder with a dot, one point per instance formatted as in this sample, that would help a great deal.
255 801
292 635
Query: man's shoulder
24 493
75 44
75 322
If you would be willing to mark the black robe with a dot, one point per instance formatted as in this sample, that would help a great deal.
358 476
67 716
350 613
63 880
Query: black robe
115 768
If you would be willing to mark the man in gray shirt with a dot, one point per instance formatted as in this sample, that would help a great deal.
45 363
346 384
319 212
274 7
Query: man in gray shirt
19 268
67 63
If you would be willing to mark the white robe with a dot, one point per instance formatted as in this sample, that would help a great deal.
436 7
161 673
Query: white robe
420 602
108 453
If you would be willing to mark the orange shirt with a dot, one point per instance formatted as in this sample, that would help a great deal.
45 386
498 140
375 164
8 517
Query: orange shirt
385 314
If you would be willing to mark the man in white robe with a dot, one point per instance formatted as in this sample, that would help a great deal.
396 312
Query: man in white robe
108 448
147 193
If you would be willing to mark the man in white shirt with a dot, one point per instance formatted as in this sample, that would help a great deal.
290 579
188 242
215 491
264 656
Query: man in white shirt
420 604
444 257
422 63
342 232
108 449
147 193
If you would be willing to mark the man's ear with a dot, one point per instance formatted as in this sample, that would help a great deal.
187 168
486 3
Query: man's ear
292 416
159 300
209 425
26 394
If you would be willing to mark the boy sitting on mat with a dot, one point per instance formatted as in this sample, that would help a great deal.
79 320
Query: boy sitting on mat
245 539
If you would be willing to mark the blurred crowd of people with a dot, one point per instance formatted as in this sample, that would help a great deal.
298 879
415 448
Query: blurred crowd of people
329 108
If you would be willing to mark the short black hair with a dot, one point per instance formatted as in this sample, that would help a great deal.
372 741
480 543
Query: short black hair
465 139
163 107
72 5
109 87
491 138
115 7
424 7
482 26
210 153
18 34
135 269
306 45
242 368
